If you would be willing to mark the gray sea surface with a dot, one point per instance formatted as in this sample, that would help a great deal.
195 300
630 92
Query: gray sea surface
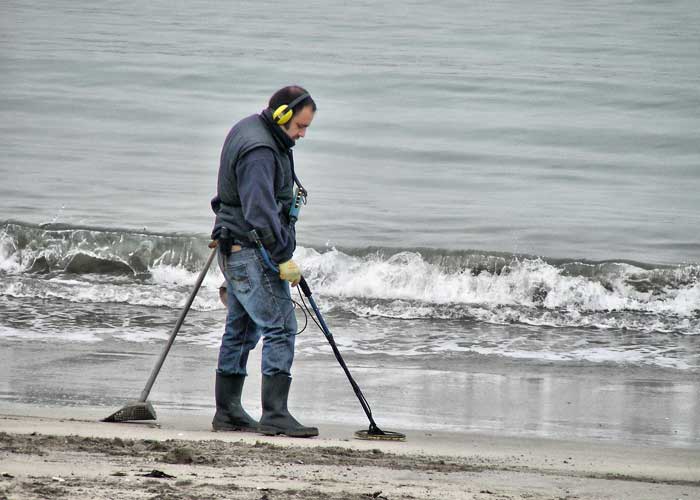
555 128
490 181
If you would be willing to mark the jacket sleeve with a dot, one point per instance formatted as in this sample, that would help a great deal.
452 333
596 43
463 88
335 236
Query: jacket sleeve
255 174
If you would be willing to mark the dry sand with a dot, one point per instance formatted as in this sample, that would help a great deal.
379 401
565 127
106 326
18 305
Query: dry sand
49 455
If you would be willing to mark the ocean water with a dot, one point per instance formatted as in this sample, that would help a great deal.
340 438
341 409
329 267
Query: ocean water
492 179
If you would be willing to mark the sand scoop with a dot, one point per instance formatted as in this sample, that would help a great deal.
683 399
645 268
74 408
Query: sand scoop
142 409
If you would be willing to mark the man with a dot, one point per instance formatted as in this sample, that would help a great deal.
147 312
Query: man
255 192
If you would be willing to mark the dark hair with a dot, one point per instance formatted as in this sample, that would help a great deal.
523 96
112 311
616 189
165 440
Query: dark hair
286 95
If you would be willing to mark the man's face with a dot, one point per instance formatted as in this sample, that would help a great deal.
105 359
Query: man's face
296 127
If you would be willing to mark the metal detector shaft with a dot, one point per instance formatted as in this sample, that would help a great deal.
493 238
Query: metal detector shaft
329 336
180 320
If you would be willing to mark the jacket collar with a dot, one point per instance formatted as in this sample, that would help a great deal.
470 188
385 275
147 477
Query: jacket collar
284 141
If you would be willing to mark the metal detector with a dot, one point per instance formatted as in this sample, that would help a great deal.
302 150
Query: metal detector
374 432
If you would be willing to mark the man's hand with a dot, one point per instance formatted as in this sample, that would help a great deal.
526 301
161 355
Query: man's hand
289 271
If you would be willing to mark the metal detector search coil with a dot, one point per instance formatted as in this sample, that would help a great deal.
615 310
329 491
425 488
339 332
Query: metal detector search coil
377 434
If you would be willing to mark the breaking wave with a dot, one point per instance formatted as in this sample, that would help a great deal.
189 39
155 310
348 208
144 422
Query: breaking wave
83 264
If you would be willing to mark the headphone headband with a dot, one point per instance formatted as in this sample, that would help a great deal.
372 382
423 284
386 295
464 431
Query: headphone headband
298 100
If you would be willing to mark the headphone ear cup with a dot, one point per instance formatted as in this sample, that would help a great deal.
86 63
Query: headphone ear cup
282 114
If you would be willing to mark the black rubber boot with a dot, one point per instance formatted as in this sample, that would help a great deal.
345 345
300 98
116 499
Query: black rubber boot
230 415
275 416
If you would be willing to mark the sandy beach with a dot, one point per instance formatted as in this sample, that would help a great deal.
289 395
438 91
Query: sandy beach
68 453
483 430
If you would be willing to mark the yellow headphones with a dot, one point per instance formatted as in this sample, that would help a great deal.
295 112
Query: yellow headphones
285 112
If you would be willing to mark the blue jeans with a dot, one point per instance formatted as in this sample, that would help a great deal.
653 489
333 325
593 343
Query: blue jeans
259 305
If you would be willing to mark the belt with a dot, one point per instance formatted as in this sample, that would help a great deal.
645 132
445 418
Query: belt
244 244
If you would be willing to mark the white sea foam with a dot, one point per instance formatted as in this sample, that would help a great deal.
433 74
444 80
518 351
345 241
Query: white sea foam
130 334
415 284
142 294
8 255
51 335
564 349
171 275
408 285
593 355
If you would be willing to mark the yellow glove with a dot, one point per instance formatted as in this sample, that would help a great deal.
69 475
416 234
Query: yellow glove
289 271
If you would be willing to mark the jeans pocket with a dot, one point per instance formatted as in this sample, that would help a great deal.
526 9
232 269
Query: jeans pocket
238 276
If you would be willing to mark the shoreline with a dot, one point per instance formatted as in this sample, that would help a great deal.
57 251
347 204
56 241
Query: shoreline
491 396
93 459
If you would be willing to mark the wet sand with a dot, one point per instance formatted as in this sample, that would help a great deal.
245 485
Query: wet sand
489 395
66 453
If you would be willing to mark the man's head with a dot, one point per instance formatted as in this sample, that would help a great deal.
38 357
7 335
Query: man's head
302 111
